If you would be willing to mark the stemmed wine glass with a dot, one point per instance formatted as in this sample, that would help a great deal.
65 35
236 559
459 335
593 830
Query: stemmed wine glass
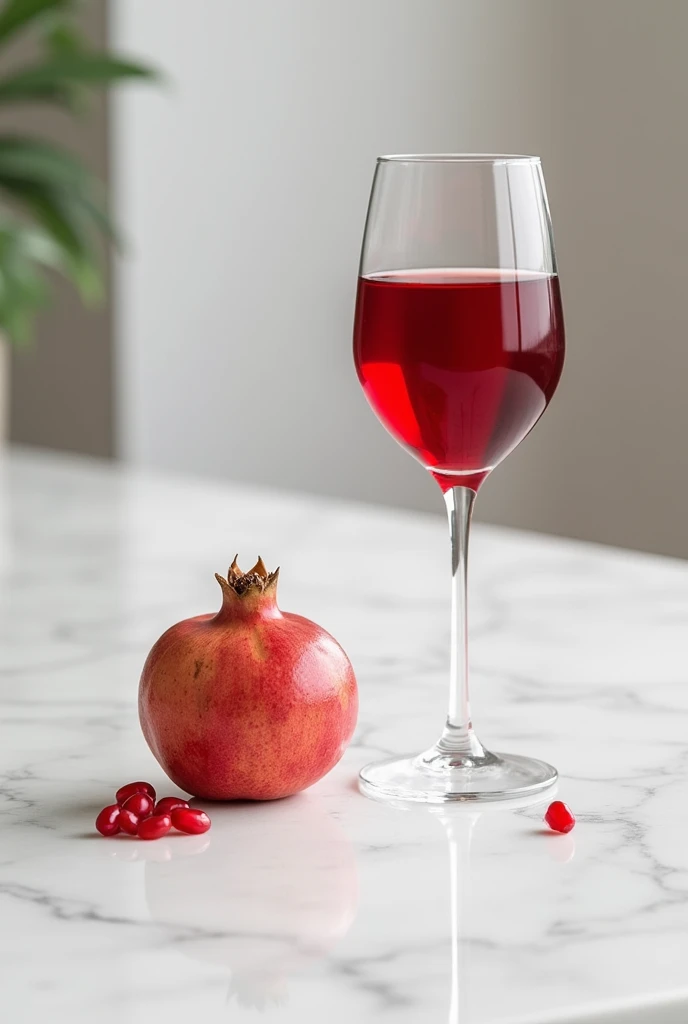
459 346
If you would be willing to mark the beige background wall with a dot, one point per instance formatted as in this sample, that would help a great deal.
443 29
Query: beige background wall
62 387
243 189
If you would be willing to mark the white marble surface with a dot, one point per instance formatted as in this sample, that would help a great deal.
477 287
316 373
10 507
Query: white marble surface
329 907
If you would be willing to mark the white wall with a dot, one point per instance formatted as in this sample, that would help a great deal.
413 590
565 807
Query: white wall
244 187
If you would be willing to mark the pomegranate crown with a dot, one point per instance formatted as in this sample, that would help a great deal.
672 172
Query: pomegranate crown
241 583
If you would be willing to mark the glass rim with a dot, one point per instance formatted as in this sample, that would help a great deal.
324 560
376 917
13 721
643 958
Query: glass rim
458 158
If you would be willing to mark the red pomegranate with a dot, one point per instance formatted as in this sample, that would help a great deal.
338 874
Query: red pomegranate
251 703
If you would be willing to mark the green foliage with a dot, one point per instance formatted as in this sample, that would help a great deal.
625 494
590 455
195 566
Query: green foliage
52 208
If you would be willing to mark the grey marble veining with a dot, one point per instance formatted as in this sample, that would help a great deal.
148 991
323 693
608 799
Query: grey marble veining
329 906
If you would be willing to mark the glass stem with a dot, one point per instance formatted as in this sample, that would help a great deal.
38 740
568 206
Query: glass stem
458 737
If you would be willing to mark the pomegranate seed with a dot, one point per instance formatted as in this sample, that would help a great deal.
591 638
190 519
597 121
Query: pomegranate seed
559 817
128 821
168 804
190 820
155 827
107 821
139 804
123 794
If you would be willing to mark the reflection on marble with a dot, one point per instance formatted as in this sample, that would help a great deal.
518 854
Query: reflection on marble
277 889
330 906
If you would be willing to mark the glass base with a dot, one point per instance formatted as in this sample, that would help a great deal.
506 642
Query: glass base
437 777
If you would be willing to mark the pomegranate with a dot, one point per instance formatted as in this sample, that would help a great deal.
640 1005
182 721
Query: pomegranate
251 703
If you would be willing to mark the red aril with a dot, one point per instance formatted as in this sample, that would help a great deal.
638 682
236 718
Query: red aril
190 820
251 703
139 804
107 821
168 804
559 817
128 821
123 794
154 827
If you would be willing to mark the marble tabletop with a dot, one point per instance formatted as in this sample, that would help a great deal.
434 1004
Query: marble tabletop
329 906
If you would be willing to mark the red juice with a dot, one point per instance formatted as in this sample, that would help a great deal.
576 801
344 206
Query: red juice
459 365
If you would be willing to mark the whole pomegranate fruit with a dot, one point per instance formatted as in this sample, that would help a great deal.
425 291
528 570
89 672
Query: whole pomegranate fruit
252 703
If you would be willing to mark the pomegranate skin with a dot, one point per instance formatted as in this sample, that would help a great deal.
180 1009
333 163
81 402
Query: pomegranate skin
251 703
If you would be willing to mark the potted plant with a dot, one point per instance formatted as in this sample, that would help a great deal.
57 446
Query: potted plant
52 208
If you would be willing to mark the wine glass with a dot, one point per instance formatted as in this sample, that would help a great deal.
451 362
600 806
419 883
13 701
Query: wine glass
459 346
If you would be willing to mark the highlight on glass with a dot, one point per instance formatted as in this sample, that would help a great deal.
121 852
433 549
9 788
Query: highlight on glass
459 347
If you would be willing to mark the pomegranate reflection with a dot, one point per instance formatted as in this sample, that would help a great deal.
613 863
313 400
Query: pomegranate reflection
274 891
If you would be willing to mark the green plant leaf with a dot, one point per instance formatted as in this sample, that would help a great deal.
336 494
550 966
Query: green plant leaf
23 289
30 161
62 213
38 246
24 292
52 79
66 222
63 222
17 14
62 37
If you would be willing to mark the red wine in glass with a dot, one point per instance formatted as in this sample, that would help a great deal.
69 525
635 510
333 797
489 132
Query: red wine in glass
459 364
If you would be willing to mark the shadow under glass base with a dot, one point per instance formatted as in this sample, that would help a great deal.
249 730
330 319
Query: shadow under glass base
438 777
